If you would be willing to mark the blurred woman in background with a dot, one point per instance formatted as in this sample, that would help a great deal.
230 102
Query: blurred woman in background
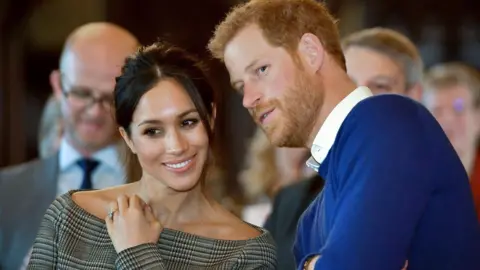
267 169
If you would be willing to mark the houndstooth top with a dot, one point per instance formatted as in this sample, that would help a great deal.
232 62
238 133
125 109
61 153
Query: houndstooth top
71 238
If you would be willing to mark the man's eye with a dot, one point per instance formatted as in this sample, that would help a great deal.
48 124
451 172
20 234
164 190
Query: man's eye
262 70
240 89
81 93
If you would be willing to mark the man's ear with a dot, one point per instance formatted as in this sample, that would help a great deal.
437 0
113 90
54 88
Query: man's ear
416 92
311 52
127 139
56 83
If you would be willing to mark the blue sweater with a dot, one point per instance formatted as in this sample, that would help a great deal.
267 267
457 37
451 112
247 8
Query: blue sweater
395 191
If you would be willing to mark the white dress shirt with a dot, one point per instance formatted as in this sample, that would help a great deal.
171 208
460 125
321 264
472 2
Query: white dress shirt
328 132
110 171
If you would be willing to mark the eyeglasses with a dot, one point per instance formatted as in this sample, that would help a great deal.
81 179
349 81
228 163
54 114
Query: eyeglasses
84 98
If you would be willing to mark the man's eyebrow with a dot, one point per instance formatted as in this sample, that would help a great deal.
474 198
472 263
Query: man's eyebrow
247 68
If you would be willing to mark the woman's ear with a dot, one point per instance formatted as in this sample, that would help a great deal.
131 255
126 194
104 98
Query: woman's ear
214 116
127 140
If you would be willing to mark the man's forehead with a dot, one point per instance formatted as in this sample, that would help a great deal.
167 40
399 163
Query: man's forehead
92 78
246 46
453 95
386 77
93 61
92 69
455 92
376 73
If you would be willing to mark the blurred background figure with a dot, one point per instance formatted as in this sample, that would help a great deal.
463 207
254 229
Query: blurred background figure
51 128
382 59
267 169
452 94
88 154
385 61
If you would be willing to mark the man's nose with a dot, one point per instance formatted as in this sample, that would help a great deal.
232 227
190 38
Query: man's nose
251 96
95 109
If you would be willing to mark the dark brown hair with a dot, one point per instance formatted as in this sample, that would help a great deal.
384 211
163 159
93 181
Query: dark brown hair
146 68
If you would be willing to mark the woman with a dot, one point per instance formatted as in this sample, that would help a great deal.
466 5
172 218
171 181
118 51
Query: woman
165 110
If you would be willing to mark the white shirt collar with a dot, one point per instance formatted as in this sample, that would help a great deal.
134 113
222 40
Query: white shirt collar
328 132
108 156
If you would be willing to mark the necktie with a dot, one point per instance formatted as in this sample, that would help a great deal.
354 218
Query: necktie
88 166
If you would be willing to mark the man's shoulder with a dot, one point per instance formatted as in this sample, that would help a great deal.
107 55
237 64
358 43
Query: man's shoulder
388 105
26 174
390 99
17 169
389 114
28 166
390 129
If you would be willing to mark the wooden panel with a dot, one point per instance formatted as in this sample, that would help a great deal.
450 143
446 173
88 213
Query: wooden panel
12 124
3 106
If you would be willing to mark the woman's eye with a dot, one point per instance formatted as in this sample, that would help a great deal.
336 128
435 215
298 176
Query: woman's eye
152 132
189 123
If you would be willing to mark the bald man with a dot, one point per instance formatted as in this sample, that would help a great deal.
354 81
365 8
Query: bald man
88 155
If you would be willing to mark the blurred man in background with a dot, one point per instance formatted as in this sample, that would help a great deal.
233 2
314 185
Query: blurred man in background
452 94
88 153
385 61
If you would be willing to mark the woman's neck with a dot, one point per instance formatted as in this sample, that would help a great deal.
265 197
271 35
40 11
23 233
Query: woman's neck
172 207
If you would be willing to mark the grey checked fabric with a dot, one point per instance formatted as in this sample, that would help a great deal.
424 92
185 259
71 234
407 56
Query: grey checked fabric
71 238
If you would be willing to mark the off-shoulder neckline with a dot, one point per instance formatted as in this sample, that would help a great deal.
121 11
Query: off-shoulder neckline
166 231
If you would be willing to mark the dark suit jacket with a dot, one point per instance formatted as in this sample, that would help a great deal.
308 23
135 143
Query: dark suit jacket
289 204
26 191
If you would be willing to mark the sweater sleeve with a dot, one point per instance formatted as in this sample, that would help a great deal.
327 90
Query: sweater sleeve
44 252
385 157
145 256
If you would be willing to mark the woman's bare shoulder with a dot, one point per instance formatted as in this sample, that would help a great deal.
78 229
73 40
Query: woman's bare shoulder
97 202
237 229
244 231
222 225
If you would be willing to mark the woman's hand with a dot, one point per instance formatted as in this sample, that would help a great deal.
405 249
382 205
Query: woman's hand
131 222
